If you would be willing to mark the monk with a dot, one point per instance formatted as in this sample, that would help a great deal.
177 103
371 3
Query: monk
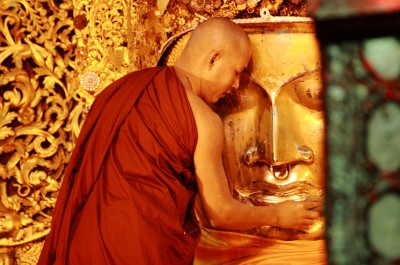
150 143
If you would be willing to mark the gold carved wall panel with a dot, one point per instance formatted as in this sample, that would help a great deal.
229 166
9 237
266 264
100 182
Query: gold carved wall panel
37 59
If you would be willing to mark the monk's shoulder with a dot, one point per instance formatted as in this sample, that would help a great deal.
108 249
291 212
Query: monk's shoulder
206 119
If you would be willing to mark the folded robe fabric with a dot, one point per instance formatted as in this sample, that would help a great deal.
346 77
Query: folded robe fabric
128 191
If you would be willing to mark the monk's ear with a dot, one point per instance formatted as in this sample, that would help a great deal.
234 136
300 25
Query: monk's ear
213 58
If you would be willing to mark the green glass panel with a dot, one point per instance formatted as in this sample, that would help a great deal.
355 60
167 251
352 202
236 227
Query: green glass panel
362 105
384 226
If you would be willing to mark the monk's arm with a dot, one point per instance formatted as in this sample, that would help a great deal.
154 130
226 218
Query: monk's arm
222 210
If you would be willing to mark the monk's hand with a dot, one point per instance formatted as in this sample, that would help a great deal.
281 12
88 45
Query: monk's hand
297 215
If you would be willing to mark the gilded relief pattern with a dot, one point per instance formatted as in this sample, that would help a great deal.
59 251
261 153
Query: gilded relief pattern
36 55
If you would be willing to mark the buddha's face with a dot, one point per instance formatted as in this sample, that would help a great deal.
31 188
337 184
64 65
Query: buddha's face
274 127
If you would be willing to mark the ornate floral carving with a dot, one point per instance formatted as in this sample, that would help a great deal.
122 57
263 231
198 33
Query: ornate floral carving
36 57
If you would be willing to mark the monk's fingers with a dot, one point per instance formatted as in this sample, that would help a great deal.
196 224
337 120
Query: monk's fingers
304 225
312 214
313 204
303 228
306 222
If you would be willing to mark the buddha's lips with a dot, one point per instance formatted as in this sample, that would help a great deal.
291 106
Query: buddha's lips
261 189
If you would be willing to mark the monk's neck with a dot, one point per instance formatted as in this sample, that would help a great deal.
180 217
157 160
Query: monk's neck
186 79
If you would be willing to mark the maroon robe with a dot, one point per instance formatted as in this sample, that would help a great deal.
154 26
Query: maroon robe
128 191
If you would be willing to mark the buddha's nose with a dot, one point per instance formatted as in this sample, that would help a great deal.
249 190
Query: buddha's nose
283 146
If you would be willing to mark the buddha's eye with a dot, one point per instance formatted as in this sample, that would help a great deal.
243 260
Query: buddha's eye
250 95
307 91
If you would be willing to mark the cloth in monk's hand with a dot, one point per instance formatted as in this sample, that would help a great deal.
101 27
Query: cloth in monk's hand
128 192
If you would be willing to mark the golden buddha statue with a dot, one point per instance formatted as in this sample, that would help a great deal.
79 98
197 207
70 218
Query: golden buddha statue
274 144
274 128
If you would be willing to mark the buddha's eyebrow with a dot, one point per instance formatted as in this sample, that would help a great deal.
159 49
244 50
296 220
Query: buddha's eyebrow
290 79
299 75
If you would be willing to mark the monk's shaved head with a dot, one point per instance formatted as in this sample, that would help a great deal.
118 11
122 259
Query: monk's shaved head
217 48
217 33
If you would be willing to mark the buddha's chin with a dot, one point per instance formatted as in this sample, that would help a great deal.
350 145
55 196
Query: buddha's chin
249 195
